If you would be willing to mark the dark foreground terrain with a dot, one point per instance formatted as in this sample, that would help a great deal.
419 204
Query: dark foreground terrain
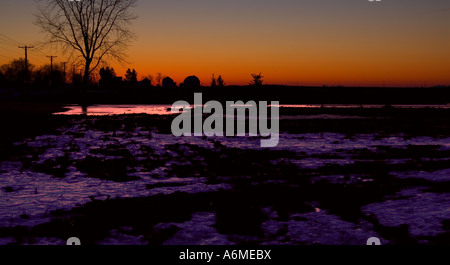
338 176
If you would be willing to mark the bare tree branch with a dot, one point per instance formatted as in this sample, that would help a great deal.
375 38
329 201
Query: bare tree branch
96 29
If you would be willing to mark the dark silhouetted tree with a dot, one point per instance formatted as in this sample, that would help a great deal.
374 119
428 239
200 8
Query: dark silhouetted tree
144 83
150 78
14 72
159 79
131 76
168 83
213 81
220 82
77 79
107 77
257 80
93 29
191 82
2 80
45 77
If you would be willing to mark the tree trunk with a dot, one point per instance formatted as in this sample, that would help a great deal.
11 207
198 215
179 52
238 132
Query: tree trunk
84 99
86 76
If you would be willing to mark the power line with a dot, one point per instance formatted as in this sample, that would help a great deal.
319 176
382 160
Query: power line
37 52
34 54
10 39
40 46
38 56
37 59
7 43
26 51
7 57
8 50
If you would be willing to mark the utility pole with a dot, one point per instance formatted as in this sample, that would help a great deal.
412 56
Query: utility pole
26 58
51 62
51 70
64 65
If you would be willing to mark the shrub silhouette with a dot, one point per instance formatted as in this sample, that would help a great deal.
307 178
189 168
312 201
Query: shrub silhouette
257 80
191 82
168 83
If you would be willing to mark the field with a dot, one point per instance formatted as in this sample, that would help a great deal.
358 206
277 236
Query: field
338 176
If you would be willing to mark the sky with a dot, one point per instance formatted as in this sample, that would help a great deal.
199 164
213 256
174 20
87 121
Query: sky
291 42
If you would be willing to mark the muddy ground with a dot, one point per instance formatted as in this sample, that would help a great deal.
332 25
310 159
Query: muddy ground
125 179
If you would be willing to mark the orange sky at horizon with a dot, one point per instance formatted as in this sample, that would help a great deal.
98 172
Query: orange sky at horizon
350 43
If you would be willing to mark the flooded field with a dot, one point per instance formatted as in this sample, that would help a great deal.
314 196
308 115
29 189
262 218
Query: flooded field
127 180
118 109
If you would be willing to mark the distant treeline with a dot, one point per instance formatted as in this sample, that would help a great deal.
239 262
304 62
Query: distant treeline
56 84
283 94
